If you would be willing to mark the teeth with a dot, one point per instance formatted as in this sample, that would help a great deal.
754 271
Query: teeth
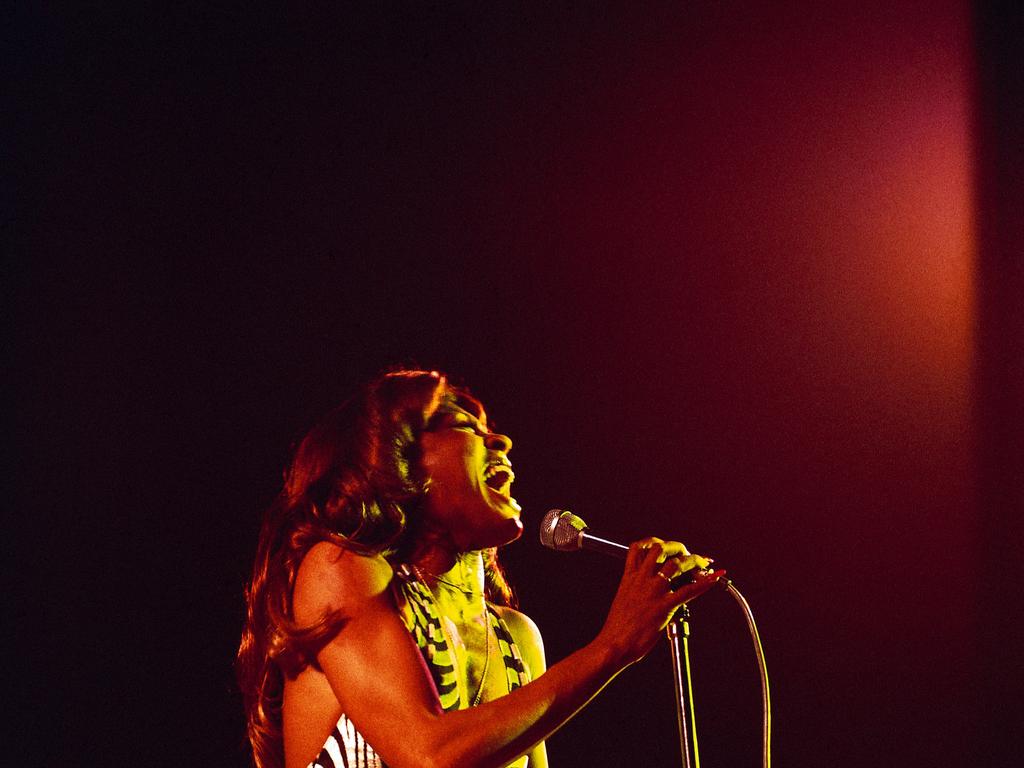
493 469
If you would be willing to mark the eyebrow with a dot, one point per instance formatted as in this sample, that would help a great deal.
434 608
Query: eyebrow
454 412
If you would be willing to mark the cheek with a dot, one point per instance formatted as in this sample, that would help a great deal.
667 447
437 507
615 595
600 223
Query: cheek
431 454
447 462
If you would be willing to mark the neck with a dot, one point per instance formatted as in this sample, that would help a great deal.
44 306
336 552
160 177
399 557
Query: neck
463 571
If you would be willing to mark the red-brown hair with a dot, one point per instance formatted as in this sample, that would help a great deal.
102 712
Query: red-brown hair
355 480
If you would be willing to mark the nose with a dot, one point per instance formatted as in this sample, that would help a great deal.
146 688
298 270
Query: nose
496 441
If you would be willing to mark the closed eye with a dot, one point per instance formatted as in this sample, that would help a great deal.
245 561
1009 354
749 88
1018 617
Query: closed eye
457 420
474 428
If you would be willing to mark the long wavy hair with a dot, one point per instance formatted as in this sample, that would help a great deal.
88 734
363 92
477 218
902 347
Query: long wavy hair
355 480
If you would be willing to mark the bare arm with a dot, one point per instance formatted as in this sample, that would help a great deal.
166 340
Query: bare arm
382 683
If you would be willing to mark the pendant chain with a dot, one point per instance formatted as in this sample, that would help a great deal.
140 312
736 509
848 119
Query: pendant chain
478 697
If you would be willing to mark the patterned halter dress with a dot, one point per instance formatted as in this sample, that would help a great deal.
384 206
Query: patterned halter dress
346 748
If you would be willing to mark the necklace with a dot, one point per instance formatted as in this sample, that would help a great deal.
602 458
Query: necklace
487 659
478 697
468 592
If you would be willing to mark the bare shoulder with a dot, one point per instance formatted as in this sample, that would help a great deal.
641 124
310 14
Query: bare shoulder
527 636
333 578
519 624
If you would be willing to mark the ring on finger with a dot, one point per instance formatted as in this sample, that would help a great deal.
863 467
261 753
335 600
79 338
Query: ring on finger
667 579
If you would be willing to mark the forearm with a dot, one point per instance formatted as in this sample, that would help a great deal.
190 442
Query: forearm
497 732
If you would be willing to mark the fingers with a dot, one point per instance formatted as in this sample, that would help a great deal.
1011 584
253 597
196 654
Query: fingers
673 549
677 566
646 601
677 559
661 548
702 582
641 552
659 564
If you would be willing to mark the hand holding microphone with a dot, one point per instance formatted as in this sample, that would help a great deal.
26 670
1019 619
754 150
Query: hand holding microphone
646 600
561 530
641 604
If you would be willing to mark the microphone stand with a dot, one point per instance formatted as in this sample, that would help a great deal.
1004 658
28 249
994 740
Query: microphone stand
678 632
561 530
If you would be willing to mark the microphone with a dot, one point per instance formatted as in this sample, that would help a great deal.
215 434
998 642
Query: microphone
562 530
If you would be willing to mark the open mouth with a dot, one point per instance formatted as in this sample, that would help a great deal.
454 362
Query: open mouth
499 478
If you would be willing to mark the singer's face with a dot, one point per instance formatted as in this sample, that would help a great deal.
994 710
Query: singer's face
468 499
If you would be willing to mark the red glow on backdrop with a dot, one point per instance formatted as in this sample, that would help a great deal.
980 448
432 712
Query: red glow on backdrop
777 258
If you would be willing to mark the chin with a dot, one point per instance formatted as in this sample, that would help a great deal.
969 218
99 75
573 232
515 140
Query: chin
507 531
516 528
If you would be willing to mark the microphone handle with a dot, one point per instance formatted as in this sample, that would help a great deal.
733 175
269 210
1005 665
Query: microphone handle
604 546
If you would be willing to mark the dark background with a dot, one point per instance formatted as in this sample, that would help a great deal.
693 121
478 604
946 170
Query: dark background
744 274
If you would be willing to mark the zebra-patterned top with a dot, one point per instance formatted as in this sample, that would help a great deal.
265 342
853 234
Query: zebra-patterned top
346 748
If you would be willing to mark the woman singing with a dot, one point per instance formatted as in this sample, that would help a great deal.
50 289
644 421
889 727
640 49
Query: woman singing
379 628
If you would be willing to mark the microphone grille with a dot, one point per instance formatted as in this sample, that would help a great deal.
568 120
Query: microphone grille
562 530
